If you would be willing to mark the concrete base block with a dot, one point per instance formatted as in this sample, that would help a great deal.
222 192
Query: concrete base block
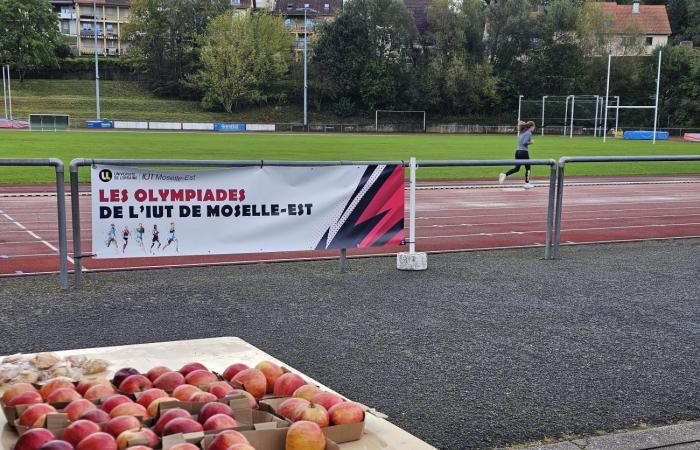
412 261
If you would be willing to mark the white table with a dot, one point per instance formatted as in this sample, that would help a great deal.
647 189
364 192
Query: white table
216 354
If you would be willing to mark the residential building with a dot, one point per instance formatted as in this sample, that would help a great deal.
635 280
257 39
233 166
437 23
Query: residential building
76 18
647 22
318 11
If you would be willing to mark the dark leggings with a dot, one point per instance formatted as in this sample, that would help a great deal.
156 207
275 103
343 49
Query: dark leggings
521 154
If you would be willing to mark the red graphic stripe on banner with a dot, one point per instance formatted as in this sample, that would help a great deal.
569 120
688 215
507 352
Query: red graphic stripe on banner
389 203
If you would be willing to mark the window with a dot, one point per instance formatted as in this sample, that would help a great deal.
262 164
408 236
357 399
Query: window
288 22
326 7
110 27
235 2
649 40
87 27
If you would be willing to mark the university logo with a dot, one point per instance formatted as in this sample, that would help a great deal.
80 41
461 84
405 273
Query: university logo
105 175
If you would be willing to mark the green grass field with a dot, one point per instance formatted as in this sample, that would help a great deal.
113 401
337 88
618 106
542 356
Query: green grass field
126 145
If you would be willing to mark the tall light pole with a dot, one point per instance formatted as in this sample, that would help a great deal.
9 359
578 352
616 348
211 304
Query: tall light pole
97 64
520 99
306 83
544 97
607 93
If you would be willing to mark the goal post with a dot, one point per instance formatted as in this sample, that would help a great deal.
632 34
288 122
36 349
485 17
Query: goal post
49 122
399 120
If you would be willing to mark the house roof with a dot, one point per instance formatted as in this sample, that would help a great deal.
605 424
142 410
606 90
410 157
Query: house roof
291 7
652 19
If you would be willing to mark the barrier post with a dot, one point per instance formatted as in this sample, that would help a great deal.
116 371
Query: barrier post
550 211
557 226
62 238
75 215
343 260
412 260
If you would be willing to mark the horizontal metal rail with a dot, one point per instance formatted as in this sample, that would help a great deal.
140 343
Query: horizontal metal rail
57 164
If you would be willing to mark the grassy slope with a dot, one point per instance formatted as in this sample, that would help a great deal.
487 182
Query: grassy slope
117 145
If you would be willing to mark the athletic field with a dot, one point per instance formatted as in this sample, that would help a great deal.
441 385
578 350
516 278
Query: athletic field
178 145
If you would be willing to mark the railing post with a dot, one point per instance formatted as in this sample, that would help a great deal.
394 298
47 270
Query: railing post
560 195
343 260
550 210
412 206
62 239
75 215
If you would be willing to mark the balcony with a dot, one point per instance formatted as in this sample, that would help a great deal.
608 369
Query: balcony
65 15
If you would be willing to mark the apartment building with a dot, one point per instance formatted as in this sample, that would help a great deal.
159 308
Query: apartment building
76 18
317 11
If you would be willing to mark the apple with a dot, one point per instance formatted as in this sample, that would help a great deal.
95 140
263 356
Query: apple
149 395
35 415
110 403
240 392
75 408
157 371
182 425
118 425
55 383
135 383
25 398
140 447
212 409
141 434
63 395
346 412
233 369
184 446
15 390
289 407
286 384
305 435
306 391
220 388
34 439
203 397
123 374
169 381
201 378
225 439
84 385
313 413
154 407
184 392
57 445
241 447
251 380
79 430
271 371
190 367
98 441
326 399
129 409
95 415
169 415
99 391
219 422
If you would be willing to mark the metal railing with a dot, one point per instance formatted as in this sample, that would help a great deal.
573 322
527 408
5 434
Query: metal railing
57 164
599 159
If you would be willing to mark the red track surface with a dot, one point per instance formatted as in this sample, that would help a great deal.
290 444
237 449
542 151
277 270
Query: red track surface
460 217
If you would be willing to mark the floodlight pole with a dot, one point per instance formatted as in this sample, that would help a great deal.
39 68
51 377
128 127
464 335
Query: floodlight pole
97 64
656 103
607 93
544 97
306 83
520 99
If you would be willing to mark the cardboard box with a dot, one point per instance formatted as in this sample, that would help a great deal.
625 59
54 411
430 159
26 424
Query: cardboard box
55 422
337 433
261 439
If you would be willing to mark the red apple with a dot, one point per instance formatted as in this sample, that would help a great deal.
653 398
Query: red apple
313 413
240 392
95 415
84 385
149 395
201 378
77 407
79 430
190 367
157 371
251 380
184 392
212 409
57 445
289 407
154 407
326 399
99 391
140 447
271 371
34 439
346 412
203 397
182 425
233 369
220 422
286 384
306 391
118 425
98 441
63 395
15 390
305 435
122 375
55 383
25 398
241 447
167 416
129 409
225 439
110 403
135 383
142 434
35 415
220 388
169 381
184 446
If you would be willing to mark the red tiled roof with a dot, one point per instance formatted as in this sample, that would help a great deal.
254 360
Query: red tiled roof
652 19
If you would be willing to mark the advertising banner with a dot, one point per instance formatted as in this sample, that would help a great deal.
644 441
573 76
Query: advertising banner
142 212
237 127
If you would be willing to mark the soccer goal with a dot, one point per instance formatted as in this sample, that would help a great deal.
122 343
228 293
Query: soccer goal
49 122
390 121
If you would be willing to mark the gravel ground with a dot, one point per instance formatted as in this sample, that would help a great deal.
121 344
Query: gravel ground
485 349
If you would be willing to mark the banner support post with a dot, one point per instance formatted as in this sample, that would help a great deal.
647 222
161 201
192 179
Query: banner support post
412 260
343 260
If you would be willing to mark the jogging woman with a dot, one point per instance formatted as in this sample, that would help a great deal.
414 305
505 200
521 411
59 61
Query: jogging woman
139 236
112 238
172 238
524 140
125 236
155 237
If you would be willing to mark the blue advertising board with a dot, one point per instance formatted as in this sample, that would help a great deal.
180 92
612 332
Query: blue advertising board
229 127
645 135
104 123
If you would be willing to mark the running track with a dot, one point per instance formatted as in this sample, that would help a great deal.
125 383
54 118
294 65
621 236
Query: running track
451 216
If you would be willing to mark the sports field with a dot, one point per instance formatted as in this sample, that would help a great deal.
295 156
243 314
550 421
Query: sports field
153 145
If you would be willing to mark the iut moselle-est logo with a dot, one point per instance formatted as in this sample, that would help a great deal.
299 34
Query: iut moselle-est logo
105 175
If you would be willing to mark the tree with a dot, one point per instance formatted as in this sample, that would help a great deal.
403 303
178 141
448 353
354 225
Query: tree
165 37
242 55
677 15
508 32
29 35
679 94
691 32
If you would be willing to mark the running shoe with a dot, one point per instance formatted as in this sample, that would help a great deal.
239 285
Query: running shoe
528 185
501 178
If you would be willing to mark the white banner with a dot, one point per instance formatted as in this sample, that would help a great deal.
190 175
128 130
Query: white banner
145 213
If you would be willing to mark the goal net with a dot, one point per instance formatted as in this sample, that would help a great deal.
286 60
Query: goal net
389 121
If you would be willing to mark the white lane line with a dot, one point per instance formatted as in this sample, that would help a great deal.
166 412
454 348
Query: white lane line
491 206
543 209
563 220
34 235
30 241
